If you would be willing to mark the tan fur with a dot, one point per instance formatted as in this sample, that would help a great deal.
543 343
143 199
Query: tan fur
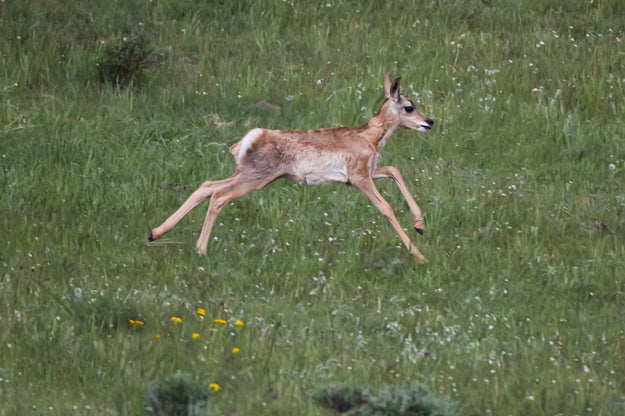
335 155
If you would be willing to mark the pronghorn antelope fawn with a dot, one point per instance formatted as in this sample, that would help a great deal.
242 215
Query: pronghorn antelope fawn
333 155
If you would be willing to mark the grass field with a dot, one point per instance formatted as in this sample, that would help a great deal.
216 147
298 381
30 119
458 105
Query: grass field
112 113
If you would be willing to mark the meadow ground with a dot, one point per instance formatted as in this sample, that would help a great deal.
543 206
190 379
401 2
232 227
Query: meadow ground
113 112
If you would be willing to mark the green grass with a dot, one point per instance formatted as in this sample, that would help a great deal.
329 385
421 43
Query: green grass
520 310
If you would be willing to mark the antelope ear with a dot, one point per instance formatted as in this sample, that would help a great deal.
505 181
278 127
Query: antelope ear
394 92
391 89
387 85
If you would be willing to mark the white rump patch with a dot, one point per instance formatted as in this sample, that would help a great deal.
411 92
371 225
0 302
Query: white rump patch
247 141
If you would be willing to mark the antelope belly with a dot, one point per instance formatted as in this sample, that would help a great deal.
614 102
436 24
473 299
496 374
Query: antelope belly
320 169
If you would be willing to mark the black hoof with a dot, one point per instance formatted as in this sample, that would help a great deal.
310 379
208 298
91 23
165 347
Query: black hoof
419 230
150 237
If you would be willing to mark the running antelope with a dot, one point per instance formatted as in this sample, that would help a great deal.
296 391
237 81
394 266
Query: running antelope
333 155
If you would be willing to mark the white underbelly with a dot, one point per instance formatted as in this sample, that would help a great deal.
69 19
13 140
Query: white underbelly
319 168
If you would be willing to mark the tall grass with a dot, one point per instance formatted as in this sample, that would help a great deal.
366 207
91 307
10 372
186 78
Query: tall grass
521 182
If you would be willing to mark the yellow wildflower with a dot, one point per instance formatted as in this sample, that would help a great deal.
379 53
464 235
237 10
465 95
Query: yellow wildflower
201 311
214 386
176 320
220 321
236 350
239 323
195 335
136 323
157 336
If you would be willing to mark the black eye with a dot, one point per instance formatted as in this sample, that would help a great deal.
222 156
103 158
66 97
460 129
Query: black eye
408 109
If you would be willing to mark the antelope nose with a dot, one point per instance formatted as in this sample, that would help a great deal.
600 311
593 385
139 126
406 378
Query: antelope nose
429 121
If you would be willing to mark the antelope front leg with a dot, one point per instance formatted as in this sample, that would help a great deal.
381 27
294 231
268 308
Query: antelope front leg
367 187
393 173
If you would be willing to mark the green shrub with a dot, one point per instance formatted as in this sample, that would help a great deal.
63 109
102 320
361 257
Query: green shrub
122 61
408 399
340 398
177 395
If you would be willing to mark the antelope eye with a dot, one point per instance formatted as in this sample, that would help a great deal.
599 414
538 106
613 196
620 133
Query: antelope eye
408 109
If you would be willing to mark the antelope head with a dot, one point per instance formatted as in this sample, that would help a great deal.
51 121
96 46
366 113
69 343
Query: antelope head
403 108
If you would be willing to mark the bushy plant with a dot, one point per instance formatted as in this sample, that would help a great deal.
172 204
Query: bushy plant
122 60
408 399
177 395
340 398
